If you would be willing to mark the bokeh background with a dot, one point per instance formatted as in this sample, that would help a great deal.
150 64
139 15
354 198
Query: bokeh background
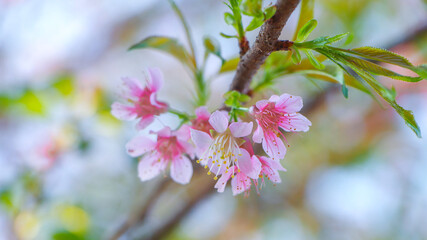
359 173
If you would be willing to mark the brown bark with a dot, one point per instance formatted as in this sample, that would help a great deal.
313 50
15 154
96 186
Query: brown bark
265 44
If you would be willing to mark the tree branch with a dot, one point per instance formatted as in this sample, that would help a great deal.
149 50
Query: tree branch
140 216
264 45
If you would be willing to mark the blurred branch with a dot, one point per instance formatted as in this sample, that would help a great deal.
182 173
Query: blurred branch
265 44
412 36
140 216
167 228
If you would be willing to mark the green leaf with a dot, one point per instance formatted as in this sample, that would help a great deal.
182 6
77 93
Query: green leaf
255 23
306 13
65 235
169 45
269 12
344 90
234 99
229 18
421 70
389 96
230 65
252 8
379 70
313 59
322 75
228 36
337 38
296 56
306 30
379 54
212 46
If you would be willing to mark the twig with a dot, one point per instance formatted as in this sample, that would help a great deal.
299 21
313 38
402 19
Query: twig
244 46
186 28
138 218
265 44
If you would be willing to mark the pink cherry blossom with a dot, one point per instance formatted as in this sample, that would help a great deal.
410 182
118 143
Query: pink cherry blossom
274 113
221 152
170 147
141 102
201 122
242 180
270 169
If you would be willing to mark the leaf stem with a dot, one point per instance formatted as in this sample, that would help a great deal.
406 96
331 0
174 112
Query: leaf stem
186 28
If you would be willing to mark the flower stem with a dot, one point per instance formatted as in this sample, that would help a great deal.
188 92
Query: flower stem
186 28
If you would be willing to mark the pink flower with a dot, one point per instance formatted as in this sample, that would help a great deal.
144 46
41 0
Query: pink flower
262 166
274 113
270 169
141 102
170 147
241 181
221 153
201 122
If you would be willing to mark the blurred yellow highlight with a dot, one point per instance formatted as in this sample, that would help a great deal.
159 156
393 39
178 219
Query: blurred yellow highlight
74 219
26 225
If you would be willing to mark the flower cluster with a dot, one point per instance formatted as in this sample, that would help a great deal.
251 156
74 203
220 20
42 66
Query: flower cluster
222 146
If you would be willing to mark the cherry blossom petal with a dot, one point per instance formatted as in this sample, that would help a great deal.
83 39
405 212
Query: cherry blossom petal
188 148
289 103
155 80
274 176
222 181
219 121
183 133
139 145
247 145
296 123
241 129
123 112
256 168
181 170
244 161
149 167
258 134
274 98
261 104
201 139
202 112
157 104
132 87
240 183
144 122
274 147
273 164
164 132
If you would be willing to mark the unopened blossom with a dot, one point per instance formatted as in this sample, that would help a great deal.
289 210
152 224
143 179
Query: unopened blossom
141 102
221 152
201 122
170 148
277 112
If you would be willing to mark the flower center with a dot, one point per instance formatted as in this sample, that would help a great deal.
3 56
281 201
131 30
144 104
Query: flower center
144 106
169 147
269 118
222 154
